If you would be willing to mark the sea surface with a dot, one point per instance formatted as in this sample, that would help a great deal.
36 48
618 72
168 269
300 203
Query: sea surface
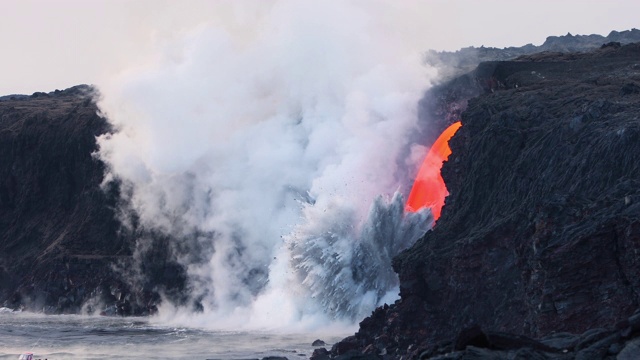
57 337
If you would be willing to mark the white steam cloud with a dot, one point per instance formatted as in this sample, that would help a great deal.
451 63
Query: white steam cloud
270 151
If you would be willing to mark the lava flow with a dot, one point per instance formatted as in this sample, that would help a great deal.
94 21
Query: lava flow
429 188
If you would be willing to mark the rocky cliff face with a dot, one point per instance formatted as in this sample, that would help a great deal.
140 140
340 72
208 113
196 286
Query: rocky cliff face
541 232
59 235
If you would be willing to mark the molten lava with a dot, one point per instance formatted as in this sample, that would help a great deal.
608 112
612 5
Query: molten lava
429 188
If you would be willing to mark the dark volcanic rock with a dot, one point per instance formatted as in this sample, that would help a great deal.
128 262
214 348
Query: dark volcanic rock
466 59
541 232
59 238
320 354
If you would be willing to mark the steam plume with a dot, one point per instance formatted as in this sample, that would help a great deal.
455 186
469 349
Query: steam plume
274 155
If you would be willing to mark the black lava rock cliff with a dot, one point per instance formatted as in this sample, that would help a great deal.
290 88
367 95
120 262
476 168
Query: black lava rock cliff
59 235
540 236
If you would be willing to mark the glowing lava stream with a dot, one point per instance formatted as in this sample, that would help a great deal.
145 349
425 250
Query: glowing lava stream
429 188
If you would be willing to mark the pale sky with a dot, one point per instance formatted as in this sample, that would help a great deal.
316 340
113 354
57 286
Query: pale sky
48 44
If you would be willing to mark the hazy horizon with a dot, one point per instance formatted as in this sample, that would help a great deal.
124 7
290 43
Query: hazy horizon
54 45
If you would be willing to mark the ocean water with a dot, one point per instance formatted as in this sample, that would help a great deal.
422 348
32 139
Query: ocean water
57 337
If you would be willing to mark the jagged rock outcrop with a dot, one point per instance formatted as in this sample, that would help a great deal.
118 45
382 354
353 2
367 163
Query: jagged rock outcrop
454 63
59 235
621 342
541 232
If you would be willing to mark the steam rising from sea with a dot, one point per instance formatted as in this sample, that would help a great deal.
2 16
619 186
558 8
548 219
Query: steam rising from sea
275 161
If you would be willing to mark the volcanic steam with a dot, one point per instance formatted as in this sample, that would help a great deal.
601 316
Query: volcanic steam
274 161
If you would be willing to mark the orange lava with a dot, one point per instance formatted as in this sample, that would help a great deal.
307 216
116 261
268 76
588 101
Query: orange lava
429 188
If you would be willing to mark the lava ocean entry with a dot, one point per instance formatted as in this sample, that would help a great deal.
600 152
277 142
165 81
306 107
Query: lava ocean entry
429 188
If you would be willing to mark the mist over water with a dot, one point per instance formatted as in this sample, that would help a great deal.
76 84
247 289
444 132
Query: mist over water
276 160
66 337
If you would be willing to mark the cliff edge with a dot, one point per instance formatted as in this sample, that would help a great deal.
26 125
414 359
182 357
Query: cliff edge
541 231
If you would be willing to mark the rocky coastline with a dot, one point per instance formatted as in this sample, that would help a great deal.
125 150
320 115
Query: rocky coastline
540 234
535 255
62 247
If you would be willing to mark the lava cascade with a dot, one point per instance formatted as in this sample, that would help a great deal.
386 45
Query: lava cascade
429 189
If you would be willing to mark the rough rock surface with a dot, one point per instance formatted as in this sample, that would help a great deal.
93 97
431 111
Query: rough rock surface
466 59
541 232
59 235
621 342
